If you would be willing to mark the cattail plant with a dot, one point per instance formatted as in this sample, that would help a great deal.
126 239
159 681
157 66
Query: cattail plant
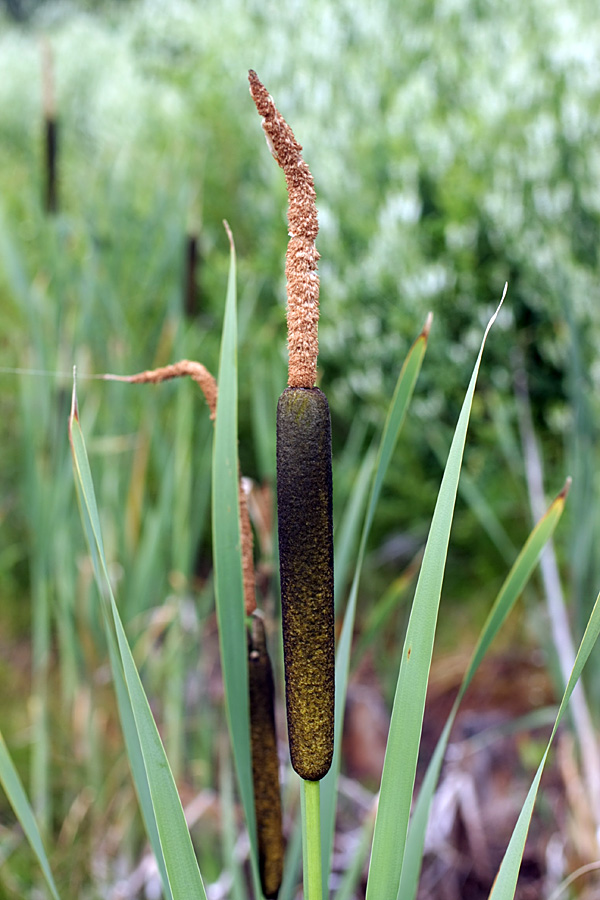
304 493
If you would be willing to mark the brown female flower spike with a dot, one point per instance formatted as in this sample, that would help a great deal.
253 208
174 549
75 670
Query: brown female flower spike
302 256
198 373
265 762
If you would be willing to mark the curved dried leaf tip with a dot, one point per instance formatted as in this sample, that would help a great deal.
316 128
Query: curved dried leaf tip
195 370
302 256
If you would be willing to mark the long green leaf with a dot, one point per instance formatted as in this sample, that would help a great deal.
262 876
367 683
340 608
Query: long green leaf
506 880
14 790
507 596
393 425
400 763
132 741
168 831
229 589
134 753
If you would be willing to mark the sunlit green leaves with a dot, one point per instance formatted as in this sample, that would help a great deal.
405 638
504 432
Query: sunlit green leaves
404 737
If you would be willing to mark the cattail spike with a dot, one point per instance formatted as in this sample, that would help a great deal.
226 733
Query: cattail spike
302 256
265 761
304 494
304 504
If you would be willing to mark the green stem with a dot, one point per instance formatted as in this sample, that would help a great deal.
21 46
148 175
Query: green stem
311 839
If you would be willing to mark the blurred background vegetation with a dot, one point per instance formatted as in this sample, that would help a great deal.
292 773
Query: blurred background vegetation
454 145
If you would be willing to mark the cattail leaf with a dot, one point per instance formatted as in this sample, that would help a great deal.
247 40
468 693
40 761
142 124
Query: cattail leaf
396 416
229 589
14 790
506 880
89 514
397 782
511 589
161 806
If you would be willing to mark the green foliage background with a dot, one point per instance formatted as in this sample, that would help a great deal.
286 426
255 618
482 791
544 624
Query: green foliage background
454 146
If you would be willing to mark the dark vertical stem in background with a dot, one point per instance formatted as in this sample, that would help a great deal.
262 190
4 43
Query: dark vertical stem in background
51 136
50 130
192 264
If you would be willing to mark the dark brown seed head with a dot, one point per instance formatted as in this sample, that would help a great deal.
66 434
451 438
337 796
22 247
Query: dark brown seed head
265 762
304 502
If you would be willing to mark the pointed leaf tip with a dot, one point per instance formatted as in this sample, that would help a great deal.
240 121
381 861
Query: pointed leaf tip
74 414
495 316
427 325
229 235
567 487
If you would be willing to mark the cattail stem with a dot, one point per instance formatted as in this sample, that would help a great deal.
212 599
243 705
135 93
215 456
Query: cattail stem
311 840
51 142
190 287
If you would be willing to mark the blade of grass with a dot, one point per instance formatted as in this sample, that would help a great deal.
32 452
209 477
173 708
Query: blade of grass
395 419
168 831
506 880
397 781
510 591
14 790
134 753
229 589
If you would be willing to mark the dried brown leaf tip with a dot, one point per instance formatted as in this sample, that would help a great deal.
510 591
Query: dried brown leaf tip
302 256
195 370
